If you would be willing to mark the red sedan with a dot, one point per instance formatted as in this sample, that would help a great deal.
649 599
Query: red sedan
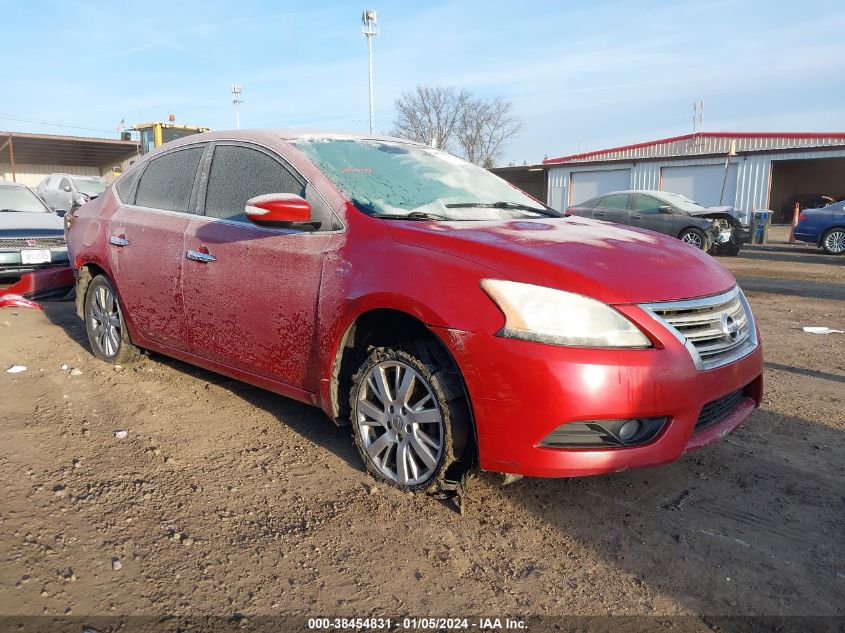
450 319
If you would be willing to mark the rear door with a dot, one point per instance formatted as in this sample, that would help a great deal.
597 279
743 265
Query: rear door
251 292
645 213
613 208
146 242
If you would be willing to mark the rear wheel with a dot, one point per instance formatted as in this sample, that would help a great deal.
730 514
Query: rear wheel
833 242
409 416
694 237
105 326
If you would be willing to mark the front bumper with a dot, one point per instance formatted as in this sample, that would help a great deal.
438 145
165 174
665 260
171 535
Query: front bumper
521 391
12 266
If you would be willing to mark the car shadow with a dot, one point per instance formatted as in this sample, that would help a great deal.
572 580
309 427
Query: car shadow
796 287
792 255
812 373
750 525
306 420
746 526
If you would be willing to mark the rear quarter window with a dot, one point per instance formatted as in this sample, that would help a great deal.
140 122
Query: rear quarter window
126 185
168 180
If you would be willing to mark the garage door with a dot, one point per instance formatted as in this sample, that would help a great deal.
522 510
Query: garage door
702 183
589 184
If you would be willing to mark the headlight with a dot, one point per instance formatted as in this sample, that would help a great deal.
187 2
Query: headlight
546 315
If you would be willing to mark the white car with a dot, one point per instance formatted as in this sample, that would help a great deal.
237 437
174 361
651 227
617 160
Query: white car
61 192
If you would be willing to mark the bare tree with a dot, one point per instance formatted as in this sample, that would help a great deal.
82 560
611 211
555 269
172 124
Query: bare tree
441 117
429 114
483 128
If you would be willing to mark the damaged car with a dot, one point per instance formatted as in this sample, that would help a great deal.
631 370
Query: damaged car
717 230
451 321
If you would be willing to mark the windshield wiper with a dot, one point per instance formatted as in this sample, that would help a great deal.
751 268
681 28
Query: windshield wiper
500 205
413 215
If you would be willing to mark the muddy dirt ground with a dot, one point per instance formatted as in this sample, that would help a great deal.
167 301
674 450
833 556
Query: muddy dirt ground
224 499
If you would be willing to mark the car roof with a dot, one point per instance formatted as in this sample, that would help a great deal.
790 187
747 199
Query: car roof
285 134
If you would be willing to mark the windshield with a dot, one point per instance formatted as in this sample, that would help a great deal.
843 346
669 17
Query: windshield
394 179
20 199
682 202
90 186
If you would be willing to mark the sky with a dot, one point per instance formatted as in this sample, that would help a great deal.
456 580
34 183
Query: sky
581 75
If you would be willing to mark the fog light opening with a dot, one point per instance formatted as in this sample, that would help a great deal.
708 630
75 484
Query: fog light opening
605 433
630 430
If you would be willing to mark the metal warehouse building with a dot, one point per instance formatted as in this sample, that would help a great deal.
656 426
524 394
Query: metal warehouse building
766 172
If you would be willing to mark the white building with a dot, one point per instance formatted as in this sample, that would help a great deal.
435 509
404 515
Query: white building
768 170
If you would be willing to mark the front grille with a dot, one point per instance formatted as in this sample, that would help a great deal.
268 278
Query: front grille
718 409
32 242
716 330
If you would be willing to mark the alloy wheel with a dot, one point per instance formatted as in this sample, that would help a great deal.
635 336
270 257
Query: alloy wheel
835 242
400 423
105 321
693 239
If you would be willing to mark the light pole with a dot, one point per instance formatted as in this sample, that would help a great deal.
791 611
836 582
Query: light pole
237 100
370 30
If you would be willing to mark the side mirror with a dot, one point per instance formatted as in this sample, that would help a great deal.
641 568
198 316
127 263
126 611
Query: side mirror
66 188
665 209
277 209
60 212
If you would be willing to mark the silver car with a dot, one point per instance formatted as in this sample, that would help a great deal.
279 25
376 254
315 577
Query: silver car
63 191
31 236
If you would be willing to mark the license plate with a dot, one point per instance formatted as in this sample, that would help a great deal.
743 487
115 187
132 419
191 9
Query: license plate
40 256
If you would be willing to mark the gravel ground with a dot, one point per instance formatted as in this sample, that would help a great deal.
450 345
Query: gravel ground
227 500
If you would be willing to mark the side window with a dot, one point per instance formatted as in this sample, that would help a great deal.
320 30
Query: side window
126 185
64 184
240 173
168 180
616 201
647 204
53 183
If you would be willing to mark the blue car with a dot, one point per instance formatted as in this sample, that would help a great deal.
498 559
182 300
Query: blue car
824 227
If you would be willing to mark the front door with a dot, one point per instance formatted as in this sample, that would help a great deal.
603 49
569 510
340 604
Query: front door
146 247
645 212
251 292
613 208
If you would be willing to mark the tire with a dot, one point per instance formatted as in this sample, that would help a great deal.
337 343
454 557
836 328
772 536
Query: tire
104 323
833 241
694 237
410 440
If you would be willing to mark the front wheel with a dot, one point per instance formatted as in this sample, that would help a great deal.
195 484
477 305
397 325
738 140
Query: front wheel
409 416
107 333
833 241
694 237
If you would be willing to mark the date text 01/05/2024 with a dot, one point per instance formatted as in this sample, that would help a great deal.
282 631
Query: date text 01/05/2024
423 623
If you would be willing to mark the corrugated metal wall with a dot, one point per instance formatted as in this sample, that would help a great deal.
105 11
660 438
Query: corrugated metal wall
31 175
708 145
753 175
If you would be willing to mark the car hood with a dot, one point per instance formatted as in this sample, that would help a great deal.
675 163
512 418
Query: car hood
608 262
17 224
712 210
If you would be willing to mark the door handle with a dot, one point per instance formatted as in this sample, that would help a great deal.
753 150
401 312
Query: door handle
599 213
118 240
199 256
637 217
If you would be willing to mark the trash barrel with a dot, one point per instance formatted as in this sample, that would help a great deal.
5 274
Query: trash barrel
760 227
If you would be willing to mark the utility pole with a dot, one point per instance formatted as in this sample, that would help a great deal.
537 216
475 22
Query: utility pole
370 30
237 100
